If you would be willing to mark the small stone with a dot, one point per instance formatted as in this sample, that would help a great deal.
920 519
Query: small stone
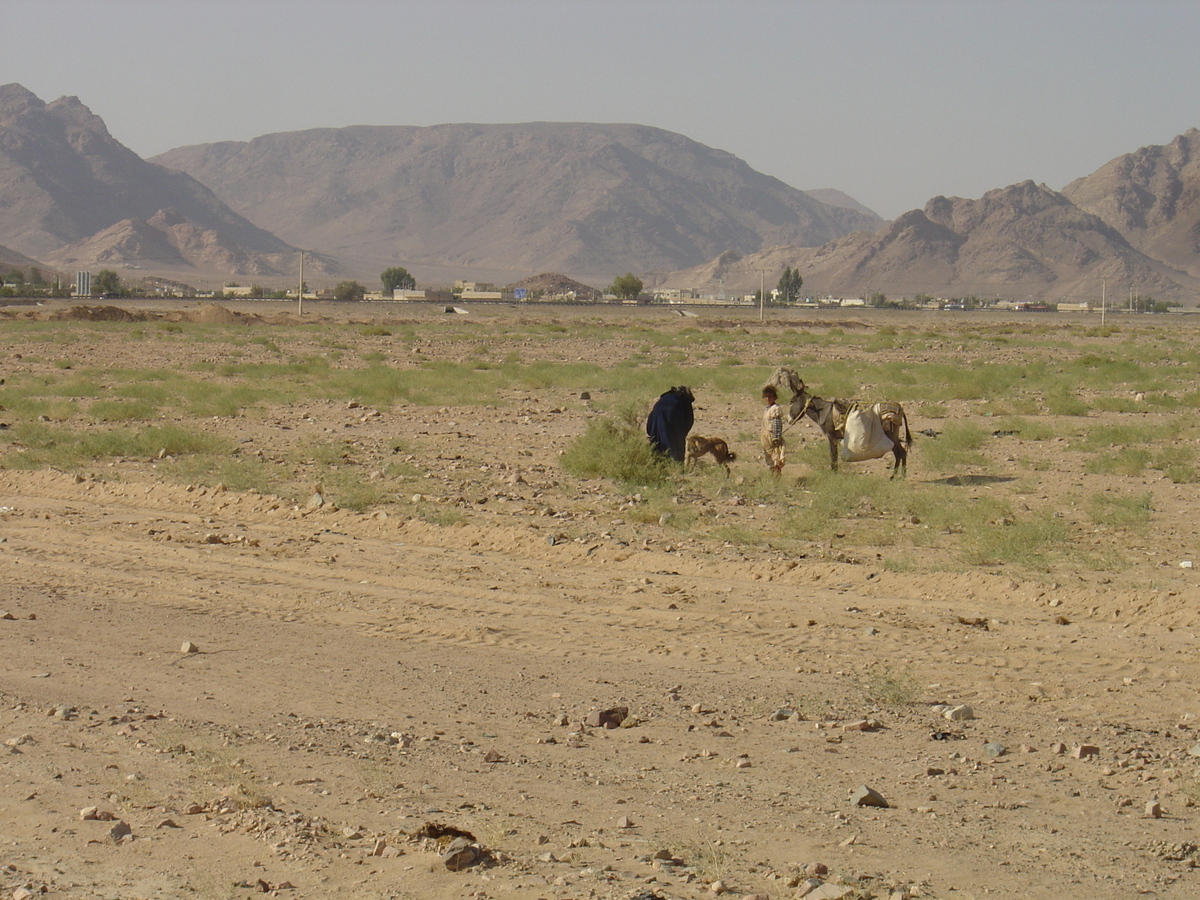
624 822
829 892
461 854
1153 810
816 869
994 749
1085 751
119 832
493 756
189 647
1058 749
167 823
866 796
960 713
607 718
718 887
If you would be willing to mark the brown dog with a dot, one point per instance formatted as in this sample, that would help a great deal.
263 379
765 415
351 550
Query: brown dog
698 446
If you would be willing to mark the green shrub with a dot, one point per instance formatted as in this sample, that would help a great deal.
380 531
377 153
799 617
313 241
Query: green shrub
617 450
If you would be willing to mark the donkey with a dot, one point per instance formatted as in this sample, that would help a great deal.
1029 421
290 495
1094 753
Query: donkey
858 431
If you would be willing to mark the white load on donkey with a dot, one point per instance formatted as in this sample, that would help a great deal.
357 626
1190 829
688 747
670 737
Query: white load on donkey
855 431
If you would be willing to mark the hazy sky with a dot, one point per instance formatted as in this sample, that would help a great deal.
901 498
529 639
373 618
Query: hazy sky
891 101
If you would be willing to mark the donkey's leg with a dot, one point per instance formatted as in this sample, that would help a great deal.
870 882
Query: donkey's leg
901 465
833 452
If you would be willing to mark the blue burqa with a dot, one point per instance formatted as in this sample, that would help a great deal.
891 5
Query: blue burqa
670 421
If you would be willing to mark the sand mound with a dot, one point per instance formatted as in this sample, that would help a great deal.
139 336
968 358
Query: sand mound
96 314
214 314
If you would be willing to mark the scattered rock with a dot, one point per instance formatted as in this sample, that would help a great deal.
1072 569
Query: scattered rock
1085 751
607 718
994 749
960 713
189 647
461 854
866 796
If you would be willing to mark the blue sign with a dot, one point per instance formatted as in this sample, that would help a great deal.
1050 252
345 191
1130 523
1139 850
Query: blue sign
518 293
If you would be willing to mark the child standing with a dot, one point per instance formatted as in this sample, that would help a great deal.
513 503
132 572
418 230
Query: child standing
774 451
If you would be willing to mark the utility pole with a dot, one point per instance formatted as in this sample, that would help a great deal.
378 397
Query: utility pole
300 292
762 293
1103 292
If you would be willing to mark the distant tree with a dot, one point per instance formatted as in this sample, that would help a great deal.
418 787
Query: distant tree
349 291
397 278
789 285
626 287
36 277
107 282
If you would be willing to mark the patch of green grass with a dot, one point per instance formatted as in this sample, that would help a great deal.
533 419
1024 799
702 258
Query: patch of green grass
1029 543
1120 511
237 473
50 445
1061 401
122 410
957 446
265 342
1128 461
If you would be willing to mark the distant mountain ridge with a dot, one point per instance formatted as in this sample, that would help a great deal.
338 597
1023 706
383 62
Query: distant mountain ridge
591 201
1022 242
500 201
1152 196
72 195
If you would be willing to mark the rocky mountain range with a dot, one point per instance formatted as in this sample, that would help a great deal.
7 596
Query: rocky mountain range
1132 225
1022 242
1151 196
497 202
500 201
72 196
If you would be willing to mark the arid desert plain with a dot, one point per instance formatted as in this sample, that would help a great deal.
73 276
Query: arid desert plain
294 602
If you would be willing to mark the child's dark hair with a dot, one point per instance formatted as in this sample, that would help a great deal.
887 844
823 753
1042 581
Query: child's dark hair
769 391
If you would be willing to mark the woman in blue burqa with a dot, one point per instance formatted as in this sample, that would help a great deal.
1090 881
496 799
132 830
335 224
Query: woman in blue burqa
669 422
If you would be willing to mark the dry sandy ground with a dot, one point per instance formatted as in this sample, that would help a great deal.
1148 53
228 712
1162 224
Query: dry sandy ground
359 677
